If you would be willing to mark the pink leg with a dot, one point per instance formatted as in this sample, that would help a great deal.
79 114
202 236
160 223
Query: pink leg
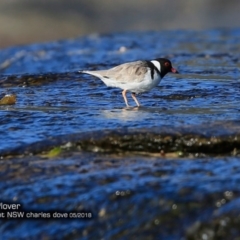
135 99
125 97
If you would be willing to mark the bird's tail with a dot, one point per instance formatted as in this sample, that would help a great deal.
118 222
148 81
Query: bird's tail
87 72
93 73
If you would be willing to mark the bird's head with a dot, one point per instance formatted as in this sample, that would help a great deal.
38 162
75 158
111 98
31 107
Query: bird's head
166 66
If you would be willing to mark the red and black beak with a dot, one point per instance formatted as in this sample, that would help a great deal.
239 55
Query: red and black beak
173 70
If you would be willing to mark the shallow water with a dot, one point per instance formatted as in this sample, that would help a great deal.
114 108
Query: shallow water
54 100
82 102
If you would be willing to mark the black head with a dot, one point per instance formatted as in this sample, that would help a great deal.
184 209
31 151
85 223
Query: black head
166 66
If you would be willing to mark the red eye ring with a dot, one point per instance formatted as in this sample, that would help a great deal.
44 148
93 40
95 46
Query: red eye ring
166 64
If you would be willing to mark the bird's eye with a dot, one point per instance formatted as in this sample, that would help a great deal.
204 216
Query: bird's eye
167 64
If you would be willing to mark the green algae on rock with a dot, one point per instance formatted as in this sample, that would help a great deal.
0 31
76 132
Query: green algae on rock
165 142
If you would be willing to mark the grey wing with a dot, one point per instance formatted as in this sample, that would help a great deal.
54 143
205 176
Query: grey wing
127 72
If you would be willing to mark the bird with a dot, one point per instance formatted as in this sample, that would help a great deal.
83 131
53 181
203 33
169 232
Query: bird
136 77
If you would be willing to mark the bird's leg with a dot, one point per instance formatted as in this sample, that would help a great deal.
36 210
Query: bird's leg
135 99
125 97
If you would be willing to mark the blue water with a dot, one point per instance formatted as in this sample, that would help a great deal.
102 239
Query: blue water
206 92
207 89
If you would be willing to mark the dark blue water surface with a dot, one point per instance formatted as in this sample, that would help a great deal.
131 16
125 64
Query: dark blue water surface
128 195
206 90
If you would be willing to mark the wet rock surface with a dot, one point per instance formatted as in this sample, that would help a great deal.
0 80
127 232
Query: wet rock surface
167 170
154 195
192 141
